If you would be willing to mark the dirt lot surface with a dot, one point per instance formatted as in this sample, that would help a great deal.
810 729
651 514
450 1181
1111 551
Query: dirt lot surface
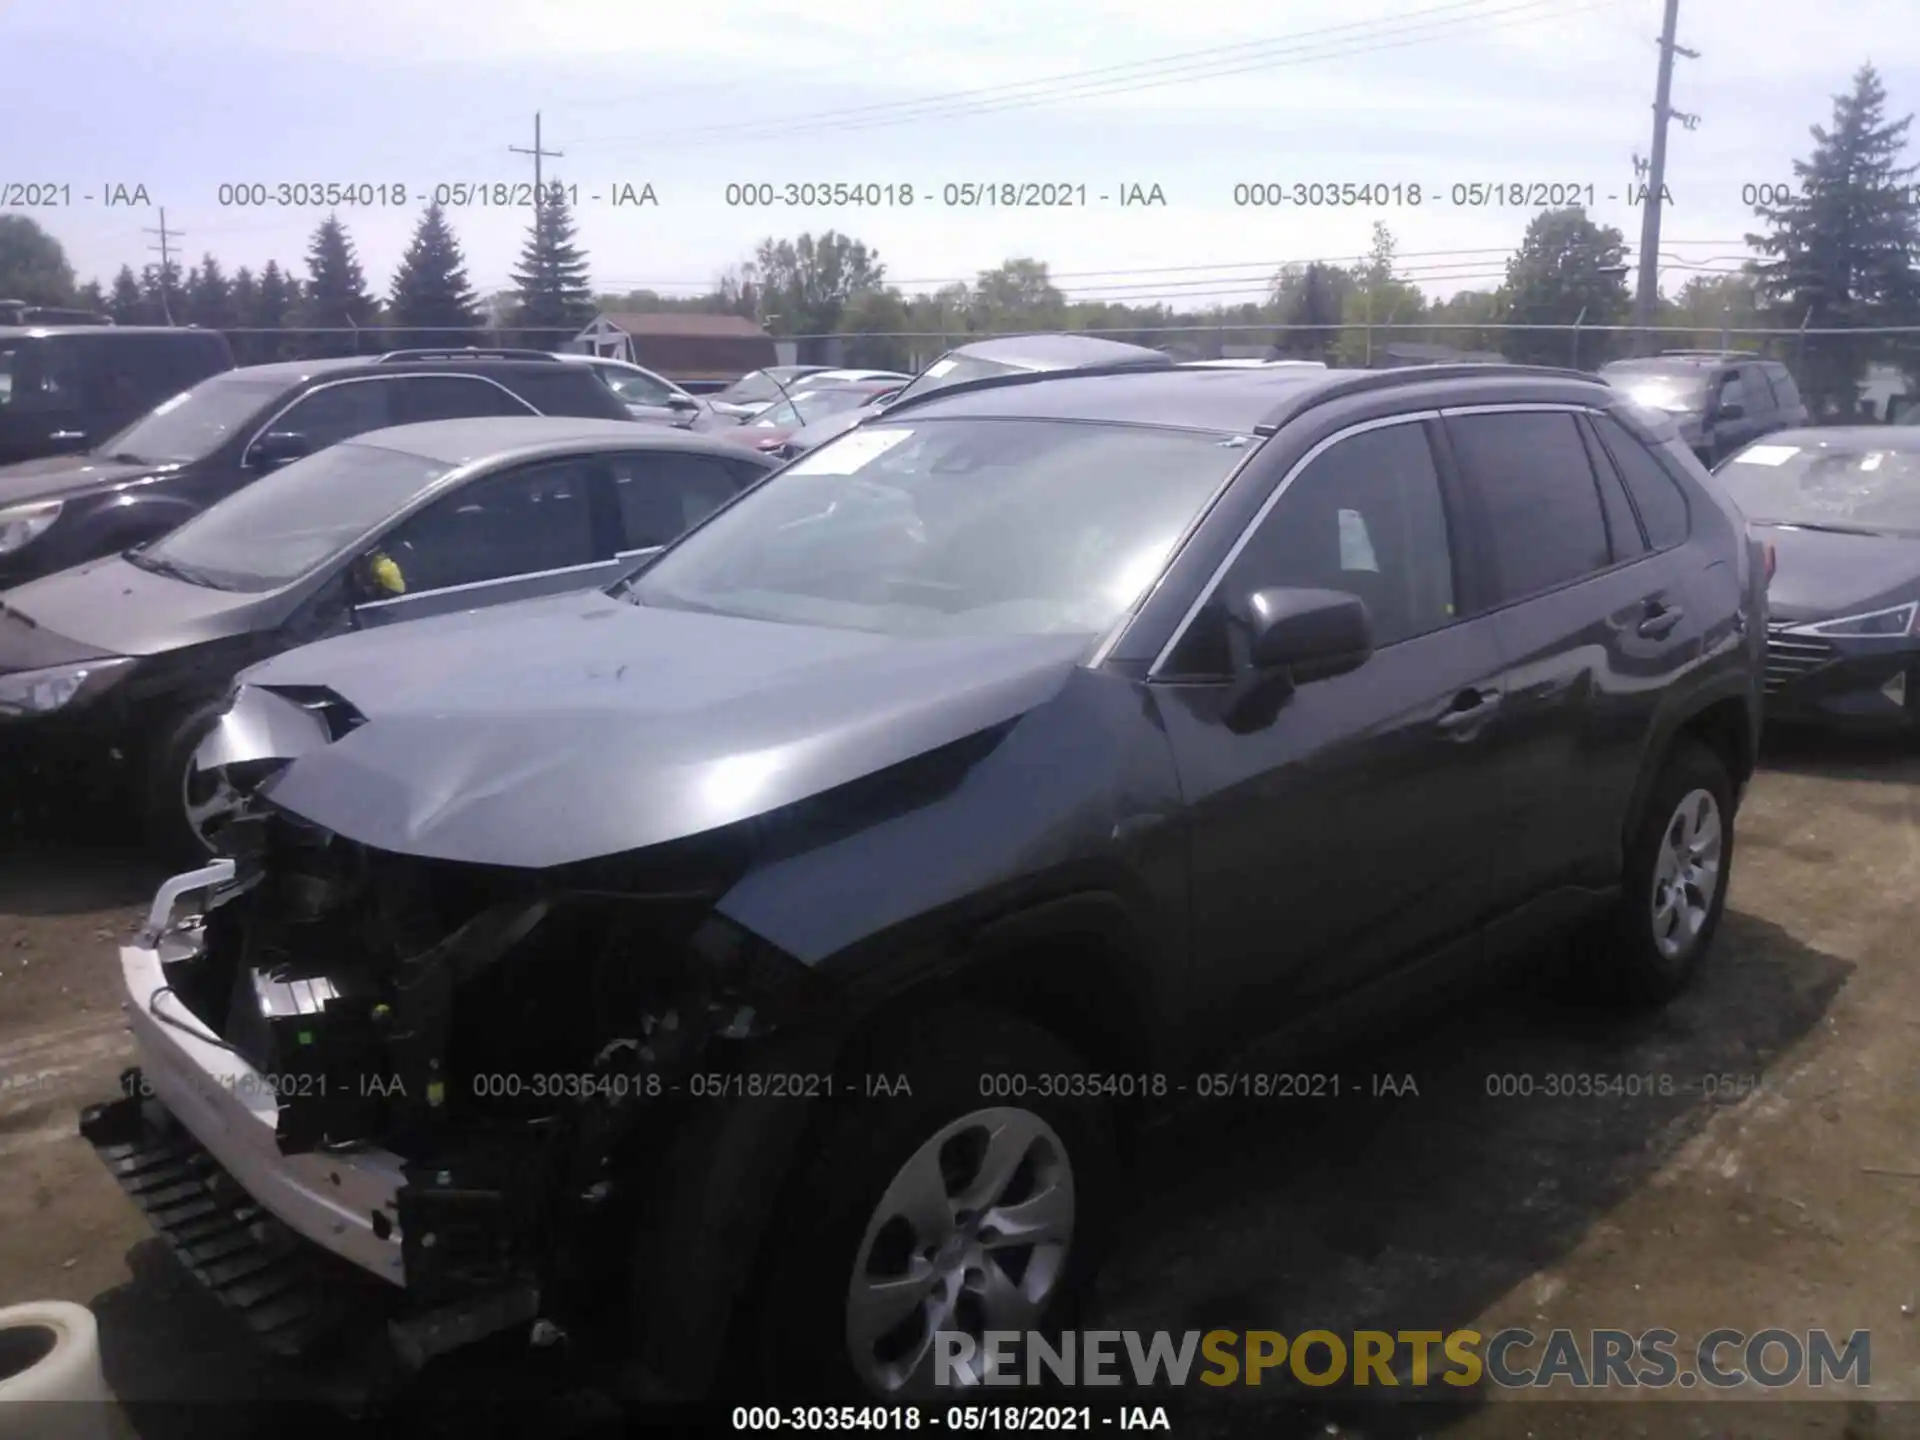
1775 1183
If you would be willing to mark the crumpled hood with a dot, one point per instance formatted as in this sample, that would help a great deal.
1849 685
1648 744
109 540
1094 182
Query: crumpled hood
563 729
58 476
1819 574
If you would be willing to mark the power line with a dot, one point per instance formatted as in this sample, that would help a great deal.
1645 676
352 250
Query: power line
1159 72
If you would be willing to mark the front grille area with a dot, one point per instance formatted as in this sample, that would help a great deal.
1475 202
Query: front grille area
292 1295
1793 657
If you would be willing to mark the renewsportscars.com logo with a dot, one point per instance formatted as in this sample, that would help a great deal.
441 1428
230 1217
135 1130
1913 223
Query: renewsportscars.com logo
1509 1359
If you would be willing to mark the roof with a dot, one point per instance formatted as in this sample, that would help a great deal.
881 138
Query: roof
458 442
682 322
1674 364
1053 349
1228 400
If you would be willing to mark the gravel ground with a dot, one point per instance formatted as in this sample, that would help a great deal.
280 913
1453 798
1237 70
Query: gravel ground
1775 1186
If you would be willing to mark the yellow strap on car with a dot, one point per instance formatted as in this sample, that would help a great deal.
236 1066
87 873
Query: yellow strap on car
386 574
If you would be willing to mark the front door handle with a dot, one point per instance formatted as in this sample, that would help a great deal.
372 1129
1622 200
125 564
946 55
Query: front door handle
1660 620
1470 707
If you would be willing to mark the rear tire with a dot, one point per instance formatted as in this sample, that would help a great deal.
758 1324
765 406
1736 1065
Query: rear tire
1674 887
931 1187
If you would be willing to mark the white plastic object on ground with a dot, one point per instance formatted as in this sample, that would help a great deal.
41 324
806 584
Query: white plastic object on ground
50 1354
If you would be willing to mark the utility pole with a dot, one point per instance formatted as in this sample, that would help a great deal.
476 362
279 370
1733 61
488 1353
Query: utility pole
165 247
539 191
1648 294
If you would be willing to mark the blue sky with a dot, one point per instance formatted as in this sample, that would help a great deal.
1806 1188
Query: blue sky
182 98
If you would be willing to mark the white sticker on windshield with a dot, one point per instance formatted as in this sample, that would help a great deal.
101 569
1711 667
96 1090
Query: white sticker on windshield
1766 455
849 453
1872 462
941 367
1356 546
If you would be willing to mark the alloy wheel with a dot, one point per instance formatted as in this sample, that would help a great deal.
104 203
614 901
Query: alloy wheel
1686 874
971 1235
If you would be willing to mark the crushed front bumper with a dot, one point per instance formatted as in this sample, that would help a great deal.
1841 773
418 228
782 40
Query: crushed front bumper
344 1203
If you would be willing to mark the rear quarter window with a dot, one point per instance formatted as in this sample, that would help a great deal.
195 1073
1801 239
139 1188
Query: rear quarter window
1657 495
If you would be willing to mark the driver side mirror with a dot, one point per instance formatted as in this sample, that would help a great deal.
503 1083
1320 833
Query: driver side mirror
1284 638
277 448
1732 410
684 403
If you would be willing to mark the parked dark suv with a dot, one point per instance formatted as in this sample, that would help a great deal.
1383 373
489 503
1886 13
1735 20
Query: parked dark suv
230 429
1719 399
65 389
778 946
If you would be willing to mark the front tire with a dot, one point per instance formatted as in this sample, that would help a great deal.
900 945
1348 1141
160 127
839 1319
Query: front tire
953 1208
1675 885
175 802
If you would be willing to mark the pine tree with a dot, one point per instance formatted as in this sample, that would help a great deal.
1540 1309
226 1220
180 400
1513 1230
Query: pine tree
160 300
245 300
125 303
555 302
336 292
273 313
210 302
91 297
1843 249
432 301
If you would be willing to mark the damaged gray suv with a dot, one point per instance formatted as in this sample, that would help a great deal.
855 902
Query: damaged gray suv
761 966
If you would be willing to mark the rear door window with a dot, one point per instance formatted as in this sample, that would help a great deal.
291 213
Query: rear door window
454 397
1537 495
663 493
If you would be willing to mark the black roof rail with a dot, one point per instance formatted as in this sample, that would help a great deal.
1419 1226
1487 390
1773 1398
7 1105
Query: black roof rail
1713 354
468 352
1367 381
1029 377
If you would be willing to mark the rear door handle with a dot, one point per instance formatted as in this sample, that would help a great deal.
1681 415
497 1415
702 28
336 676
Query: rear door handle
1660 620
1469 707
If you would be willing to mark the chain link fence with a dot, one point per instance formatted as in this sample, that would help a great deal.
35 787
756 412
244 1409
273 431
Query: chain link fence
1844 373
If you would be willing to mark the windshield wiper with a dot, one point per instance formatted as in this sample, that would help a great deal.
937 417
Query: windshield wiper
161 565
127 457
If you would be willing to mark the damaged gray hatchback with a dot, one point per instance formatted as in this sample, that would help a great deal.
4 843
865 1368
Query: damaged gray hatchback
758 968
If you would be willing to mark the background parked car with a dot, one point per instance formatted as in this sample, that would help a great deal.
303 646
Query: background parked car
1841 508
758 389
1015 354
771 428
231 429
126 654
65 389
1020 354
648 396
1720 399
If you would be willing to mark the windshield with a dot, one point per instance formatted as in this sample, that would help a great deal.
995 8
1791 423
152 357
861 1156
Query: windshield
1844 484
953 527
952 369
284 524
196 422
805 409
1664 387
